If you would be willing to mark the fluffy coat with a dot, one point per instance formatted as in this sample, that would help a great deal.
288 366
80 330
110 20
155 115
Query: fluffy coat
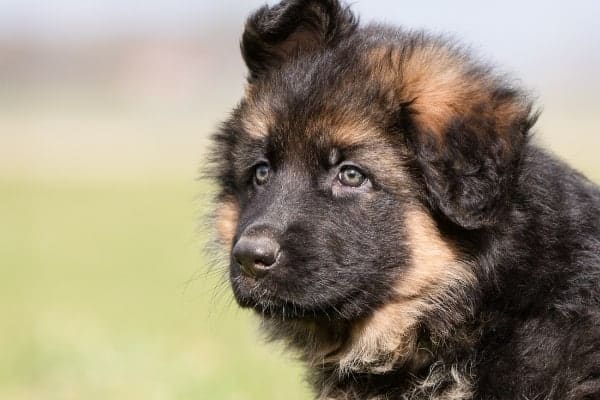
467 263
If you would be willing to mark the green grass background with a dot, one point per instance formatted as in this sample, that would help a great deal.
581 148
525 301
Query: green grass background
105 294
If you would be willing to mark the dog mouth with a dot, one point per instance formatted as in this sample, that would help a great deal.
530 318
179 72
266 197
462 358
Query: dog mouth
272 305
288 310
283 311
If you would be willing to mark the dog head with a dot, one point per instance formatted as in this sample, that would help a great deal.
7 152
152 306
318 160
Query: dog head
350 145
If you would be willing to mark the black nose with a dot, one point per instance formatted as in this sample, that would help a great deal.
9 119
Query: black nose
255 254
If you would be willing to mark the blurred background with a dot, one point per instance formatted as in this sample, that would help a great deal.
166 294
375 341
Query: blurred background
105 110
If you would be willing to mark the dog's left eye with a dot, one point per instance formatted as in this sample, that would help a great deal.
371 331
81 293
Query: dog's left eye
261 174
351 176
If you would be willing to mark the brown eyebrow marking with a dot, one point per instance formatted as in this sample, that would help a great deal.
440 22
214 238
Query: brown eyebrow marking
257 117
349 133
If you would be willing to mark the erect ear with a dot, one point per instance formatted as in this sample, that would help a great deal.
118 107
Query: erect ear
292 27
470 162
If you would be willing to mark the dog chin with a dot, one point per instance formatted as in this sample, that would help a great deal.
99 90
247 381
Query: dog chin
271 306
275 308
282 311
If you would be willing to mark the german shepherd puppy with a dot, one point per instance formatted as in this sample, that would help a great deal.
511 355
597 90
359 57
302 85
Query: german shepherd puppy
388 217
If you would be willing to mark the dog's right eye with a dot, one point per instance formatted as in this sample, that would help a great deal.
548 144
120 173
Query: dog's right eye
261 174
352 177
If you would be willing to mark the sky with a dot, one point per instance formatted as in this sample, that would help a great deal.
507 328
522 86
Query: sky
535 30
87 17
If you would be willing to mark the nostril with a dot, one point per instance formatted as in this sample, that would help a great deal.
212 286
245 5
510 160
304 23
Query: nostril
255 255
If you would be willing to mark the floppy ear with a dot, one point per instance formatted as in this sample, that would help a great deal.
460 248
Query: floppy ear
293 27
470 161
464 125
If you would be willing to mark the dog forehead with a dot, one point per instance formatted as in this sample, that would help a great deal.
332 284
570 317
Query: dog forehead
321 123
315 134
316 95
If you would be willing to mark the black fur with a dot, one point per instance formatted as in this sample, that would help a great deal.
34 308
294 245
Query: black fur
322 23
525 225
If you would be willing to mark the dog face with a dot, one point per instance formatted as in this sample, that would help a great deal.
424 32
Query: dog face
349 149
316 181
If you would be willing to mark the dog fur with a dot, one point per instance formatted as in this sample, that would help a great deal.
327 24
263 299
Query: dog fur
466 266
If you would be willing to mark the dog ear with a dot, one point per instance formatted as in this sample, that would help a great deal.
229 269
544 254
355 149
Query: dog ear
465 126
293 27
470 162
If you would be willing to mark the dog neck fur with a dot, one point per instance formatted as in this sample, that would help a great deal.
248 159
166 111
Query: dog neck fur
436 279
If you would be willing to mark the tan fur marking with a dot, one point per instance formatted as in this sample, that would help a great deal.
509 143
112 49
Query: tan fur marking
349 132
433 258
376 343
389 334
226 217
257 118
435 79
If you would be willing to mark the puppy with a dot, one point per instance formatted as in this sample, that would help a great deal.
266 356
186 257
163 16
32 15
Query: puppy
388 218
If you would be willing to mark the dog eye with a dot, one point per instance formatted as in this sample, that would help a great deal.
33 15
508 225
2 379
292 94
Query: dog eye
351 176
261 174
